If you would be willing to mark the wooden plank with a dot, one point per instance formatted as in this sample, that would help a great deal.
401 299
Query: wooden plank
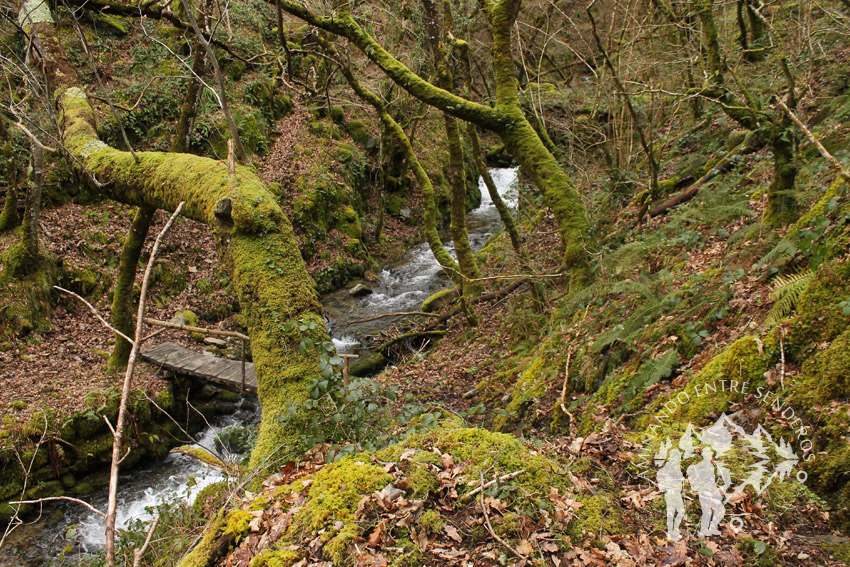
211 368
197 361
155 350
233 373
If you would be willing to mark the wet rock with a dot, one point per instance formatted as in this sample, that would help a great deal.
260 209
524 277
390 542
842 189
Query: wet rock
360 290
368 365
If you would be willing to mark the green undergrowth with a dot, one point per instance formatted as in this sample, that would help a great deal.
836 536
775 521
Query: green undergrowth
338 507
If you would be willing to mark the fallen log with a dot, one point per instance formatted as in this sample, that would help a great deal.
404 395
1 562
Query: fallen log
691 191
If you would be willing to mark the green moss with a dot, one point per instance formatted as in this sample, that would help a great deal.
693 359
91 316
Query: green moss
431 521
237 522
334 497
190 319
819 316
439 300
368 365
598 514
209 498
18 404
275 558
199 556
348 223
508 525
840 551
721 381
85 280
422 481
826 376
531 384
359 131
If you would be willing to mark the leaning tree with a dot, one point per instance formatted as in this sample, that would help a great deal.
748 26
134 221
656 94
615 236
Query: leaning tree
254 237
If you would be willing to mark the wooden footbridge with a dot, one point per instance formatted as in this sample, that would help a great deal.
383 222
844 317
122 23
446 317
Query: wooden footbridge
236 375
233 374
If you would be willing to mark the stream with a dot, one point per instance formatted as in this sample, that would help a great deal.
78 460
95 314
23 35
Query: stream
402 286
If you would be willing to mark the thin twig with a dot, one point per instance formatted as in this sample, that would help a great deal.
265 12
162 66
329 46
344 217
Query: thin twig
112 503
68 498
32 137
96 314
836 165
490 527
487 485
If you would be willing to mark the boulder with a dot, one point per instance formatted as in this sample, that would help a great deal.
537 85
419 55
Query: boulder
360 290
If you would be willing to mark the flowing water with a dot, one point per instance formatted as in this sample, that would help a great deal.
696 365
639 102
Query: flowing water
402 286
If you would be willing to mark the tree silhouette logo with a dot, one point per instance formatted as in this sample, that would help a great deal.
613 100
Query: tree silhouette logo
717 464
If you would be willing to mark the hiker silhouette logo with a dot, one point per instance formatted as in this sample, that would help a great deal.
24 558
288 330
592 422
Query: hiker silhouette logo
716 465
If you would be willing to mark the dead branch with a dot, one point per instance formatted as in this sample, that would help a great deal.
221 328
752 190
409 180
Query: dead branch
490 527
483 298
487 485
836 165
394 314
191 329
96 314
112 505
66 498
139 553
691 191
32 137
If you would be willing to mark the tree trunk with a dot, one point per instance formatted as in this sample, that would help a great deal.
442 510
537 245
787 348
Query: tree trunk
437 42
30 253
254 238
122 294
9 218
222 93
189 108
457 226
782 206
523 143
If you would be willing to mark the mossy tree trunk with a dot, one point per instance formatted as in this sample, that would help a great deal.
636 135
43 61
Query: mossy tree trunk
28 256
437 44
782 205
505 119
189 108
254 238
122 294
9 217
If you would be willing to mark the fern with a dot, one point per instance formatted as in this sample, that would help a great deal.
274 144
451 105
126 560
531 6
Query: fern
785 291
653 371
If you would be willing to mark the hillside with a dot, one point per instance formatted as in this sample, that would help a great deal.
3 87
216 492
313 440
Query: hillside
648 363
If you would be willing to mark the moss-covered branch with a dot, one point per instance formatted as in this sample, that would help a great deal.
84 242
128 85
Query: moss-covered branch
507 118
254 237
